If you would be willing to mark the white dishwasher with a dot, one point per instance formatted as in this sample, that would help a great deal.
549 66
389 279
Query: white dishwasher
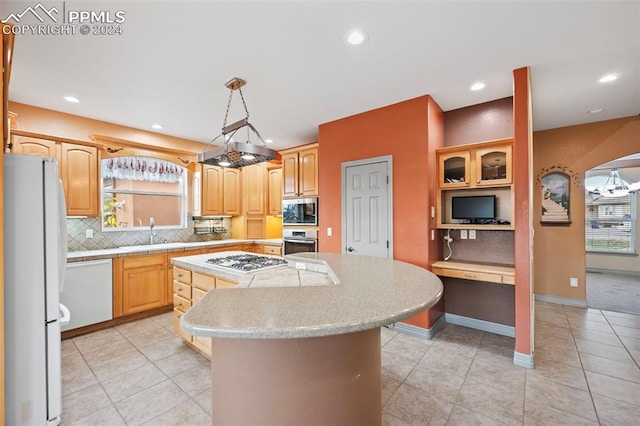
88 293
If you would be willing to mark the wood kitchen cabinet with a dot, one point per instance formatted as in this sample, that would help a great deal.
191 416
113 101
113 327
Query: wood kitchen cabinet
77 167
232 192
254 180
139 284
300 172
486 164
79 173
274 192
189 287
476 169
221 191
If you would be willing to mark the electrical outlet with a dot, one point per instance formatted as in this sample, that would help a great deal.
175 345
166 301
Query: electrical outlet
300 265
472 234
463 234
329 232
88 233
433 235
433 212
573 282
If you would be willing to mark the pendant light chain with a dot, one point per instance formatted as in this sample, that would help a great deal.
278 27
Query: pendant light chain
226 113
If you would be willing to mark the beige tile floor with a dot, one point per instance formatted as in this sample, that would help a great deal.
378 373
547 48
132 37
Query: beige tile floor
586 373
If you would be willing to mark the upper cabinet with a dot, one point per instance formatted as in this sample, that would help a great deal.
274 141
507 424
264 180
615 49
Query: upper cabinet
274 182
254 188
77 166
232 192
476 170
300 172
473 166
79 172
220 191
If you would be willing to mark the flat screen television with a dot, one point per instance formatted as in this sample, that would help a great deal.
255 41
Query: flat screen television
474 209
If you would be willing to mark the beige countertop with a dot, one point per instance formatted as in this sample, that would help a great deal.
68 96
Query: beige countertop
357 293
79 256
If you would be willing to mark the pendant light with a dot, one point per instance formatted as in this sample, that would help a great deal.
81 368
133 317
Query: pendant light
237 154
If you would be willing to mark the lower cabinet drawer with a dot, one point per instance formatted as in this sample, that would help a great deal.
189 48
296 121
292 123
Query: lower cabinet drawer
177 314
272 250
468 275
222 283
181 289
181 304
203 282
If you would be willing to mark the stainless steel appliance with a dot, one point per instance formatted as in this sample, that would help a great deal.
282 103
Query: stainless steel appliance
247 262
299 241
300 211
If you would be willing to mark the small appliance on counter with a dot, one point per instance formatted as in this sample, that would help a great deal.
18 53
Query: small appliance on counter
299 241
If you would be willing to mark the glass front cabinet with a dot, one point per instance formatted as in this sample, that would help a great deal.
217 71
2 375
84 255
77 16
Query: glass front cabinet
479 165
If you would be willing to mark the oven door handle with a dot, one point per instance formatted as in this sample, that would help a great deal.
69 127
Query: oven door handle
286 240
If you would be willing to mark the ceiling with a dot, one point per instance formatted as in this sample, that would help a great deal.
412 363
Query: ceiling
171 61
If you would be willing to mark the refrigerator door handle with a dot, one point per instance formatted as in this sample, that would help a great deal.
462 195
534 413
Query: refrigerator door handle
65 315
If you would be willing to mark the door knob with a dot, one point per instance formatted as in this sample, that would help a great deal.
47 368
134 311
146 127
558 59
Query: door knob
349 249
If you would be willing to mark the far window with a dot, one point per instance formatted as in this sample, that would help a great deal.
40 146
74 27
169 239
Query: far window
611 210
136 189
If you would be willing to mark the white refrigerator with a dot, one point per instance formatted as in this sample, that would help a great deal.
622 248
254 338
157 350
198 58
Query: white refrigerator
35 250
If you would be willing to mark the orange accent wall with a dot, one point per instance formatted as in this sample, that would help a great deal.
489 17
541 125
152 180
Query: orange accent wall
410 132
522 178
63 125
560 251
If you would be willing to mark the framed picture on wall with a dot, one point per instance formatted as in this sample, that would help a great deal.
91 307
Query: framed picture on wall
556 200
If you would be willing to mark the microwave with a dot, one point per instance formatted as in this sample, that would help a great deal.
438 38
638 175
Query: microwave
300 211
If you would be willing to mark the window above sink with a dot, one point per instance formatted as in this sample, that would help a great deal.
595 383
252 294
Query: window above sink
136 189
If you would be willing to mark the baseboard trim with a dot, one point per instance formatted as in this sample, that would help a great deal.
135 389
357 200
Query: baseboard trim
423 333
523 360
491 327
614 271
578 303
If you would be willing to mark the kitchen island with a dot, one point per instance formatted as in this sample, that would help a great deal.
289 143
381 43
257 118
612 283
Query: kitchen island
305 354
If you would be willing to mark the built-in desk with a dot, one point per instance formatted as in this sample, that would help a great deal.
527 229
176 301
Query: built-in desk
475 271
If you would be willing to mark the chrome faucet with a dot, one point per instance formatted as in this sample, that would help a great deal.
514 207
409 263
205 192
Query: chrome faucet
152 234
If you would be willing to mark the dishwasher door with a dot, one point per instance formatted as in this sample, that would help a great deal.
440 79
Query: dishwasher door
88 293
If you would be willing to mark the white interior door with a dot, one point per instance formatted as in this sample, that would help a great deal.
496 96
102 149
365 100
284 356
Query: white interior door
367 213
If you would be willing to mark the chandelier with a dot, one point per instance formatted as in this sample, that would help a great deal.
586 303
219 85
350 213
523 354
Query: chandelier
237 154
613 187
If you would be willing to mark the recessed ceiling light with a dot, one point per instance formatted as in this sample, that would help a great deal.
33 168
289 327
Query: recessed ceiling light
156 126
356 37
596 111
477 86
607 78
71 99
268 141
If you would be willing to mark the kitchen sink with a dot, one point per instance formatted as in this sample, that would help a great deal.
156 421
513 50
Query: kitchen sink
160 246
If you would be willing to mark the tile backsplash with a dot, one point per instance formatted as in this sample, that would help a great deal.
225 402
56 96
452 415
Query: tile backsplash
77 240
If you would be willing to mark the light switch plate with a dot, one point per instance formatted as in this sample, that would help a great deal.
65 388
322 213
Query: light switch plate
472 234
329 232
463 234
573 282
88 233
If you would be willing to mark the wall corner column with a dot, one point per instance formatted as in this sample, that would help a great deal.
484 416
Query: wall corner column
523 216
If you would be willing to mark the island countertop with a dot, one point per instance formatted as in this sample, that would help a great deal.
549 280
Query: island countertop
364 293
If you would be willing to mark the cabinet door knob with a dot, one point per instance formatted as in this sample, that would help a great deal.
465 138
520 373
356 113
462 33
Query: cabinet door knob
350 249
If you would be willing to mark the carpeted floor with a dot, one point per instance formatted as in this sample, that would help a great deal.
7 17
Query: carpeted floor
613 292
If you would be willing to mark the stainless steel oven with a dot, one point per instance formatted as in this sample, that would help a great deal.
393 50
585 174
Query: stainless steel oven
299 241
300 211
